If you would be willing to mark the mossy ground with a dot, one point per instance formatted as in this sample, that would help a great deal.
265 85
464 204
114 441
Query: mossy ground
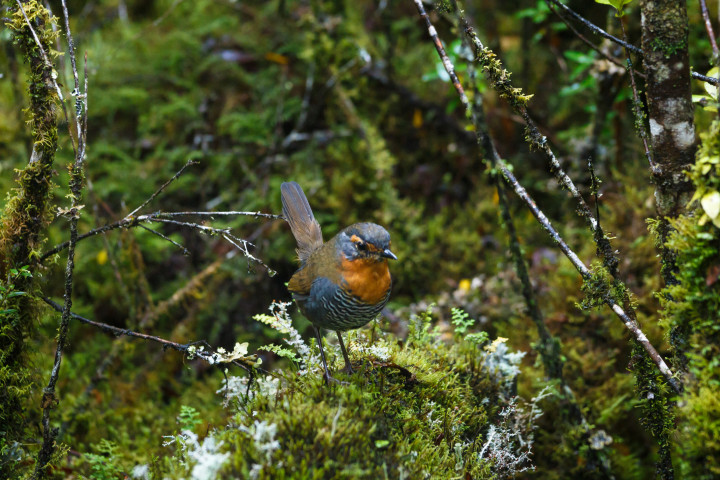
426 407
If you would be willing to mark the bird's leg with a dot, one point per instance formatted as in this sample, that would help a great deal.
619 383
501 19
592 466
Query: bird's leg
348 368
326 376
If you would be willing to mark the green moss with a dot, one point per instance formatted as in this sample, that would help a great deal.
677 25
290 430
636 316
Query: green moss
500 79
691 310
668 47
25 214
599 285
424 407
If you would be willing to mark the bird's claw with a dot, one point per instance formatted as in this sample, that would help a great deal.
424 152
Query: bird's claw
329 379
347 369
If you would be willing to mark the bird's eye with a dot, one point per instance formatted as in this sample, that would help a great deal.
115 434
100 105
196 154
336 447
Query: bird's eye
362 246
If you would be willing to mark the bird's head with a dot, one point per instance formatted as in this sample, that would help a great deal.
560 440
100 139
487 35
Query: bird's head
366 241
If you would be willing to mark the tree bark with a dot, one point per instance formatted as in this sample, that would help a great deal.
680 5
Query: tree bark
670 110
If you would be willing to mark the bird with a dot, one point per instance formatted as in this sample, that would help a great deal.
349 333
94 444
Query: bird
342 284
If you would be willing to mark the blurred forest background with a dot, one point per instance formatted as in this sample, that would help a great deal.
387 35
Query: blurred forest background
351 100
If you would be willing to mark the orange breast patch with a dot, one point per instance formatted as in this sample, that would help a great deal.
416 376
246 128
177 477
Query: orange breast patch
369 280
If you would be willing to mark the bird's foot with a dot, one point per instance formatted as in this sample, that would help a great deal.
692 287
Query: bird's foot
329 379
347 369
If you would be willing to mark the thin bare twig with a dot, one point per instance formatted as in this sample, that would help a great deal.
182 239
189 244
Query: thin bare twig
595 29
709 28
485 142
218 214
131 222
162 187
164 237
588 42
637 105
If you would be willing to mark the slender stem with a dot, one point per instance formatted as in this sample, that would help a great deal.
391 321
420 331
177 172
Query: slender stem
165 237
500 80
709 28
595 29
586 41
637 105
162 187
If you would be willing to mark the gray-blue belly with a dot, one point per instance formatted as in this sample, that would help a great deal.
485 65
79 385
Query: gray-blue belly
333 308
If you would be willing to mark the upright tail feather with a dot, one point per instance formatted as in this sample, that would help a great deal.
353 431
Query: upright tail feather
299 215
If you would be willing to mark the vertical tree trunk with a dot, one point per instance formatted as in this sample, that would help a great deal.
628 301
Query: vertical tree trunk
672 129
672 138
670 108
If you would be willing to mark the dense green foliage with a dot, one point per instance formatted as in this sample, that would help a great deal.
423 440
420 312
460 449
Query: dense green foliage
349 99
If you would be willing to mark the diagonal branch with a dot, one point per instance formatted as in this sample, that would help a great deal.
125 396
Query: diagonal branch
209 356
709 28
500 79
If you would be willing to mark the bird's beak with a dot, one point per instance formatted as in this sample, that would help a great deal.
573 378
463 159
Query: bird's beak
388 254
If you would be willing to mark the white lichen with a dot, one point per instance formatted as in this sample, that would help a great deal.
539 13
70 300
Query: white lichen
205 457
508 444
141 472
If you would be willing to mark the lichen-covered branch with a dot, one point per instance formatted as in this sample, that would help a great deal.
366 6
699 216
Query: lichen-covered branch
500 80
25 212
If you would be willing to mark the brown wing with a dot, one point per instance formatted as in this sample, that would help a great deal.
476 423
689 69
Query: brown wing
299 215
301 282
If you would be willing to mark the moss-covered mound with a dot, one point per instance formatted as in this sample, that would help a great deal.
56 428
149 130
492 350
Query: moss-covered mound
431 406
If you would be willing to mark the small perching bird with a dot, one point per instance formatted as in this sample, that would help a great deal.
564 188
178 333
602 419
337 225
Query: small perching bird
341 284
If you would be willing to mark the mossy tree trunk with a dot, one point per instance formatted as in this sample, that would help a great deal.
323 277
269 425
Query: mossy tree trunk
22 224
672 129
672 139
670 108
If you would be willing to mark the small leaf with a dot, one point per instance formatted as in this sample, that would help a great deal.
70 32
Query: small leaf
616 4
381 443
16 294
711 204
